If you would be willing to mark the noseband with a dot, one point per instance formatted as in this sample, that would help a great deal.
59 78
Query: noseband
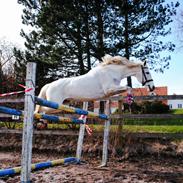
144 74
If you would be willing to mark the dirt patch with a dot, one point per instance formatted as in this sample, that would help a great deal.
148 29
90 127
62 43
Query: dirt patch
133 170
130 160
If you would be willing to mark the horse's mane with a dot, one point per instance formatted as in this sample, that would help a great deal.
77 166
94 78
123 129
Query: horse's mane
118 60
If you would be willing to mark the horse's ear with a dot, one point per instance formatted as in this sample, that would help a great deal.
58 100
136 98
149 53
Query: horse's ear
145 63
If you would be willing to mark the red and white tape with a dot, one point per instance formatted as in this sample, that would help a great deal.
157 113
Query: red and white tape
88 129
16 92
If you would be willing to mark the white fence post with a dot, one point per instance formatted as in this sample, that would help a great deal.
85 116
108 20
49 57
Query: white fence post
81 134
106 134
28 123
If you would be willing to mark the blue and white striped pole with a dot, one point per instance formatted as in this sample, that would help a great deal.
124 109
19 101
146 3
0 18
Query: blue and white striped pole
53 118
66 108
38 166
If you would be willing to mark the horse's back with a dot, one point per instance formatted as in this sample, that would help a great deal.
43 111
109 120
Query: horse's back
87 86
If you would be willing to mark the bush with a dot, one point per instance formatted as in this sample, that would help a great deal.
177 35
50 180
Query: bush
155 107
147 107
135 108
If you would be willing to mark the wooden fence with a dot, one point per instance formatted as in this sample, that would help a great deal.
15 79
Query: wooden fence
151 97
116 117
120 99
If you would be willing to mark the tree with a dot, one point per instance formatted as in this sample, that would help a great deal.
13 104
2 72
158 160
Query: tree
7 61
62 41
68 36
144 23
6 56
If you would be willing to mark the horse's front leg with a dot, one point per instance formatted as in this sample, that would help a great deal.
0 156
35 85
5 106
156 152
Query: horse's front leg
117 90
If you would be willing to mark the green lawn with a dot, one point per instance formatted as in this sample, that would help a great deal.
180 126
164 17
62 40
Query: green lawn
154 129
128 128
176 111
157 122
144 128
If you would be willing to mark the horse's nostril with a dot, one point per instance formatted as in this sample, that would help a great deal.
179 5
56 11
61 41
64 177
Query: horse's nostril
151 89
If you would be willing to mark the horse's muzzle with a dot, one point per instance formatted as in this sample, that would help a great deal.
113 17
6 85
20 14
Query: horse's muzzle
152 88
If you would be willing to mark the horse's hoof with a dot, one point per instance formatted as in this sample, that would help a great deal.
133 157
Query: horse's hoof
41 126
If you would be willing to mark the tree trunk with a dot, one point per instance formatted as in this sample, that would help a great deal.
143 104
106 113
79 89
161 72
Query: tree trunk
100 36
127 53
87 37
80 55
100 32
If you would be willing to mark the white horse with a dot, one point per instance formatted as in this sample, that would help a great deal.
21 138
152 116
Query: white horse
100 82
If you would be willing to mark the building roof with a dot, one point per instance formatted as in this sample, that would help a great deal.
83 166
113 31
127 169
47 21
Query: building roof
160 90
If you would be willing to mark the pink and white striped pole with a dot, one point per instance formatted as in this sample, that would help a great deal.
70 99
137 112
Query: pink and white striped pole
16 92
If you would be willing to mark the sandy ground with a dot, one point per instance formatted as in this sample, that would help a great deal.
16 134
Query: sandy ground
149 169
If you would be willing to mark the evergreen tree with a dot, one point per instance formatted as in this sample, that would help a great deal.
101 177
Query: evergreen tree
142 24
145 24
68 36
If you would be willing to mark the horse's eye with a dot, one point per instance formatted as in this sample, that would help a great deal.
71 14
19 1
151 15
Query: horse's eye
147 72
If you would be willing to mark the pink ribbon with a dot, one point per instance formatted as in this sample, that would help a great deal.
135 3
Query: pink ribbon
88 129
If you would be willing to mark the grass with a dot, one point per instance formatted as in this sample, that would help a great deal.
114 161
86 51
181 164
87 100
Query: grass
154 129
144 128
176 111
128 128
140 122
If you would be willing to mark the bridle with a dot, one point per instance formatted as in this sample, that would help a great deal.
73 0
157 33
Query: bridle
144 74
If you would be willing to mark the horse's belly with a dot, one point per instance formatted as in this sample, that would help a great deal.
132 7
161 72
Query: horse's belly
88 93
85 90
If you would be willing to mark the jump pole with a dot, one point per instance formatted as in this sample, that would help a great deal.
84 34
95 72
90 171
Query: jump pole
56 119
81 134
28 124
38 166
54 105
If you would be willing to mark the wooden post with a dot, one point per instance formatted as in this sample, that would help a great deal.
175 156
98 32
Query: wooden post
28 124
106 134
120 111
81 134
118 138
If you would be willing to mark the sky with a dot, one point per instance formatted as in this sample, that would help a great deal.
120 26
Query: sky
11 24
10 21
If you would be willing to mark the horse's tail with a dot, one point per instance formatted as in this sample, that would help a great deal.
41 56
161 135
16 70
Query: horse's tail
42 94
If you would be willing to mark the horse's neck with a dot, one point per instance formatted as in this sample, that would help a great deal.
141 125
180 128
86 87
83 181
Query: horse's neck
131 71
123 71
116 71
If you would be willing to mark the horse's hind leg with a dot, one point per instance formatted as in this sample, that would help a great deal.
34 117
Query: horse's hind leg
54 95
42 123
42 95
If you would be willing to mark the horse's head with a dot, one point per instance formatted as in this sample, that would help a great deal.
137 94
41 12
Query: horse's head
145 77
129 68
